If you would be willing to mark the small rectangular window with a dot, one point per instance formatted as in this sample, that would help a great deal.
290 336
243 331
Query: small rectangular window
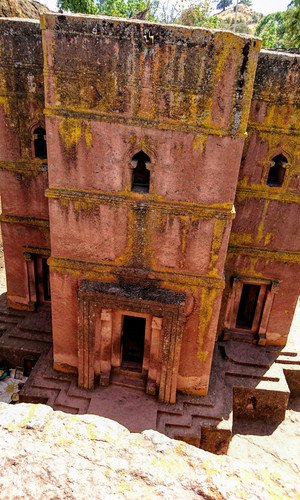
39 143
247 306
141 173
277 171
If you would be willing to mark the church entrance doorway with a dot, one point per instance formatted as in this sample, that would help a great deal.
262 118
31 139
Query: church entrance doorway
133 342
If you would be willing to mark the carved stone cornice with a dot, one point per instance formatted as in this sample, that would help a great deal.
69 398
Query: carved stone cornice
90 198
97 269
264 253
25 221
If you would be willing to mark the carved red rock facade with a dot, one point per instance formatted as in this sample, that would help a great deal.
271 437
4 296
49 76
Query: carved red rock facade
140 148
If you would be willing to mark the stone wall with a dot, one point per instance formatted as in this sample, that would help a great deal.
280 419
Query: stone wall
181 95
265 238
23 178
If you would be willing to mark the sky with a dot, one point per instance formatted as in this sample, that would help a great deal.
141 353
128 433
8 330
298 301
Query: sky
264 6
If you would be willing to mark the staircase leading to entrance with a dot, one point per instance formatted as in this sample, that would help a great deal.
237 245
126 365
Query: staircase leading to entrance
128 378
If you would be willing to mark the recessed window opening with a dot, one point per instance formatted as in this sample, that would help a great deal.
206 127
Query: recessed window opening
46 279
39 143
277 171
42 279
140 173
247 306
133 341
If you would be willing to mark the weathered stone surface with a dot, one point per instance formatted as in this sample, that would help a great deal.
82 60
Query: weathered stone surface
48 454
22 8
274 446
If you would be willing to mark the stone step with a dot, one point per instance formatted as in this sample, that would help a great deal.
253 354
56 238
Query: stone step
79 404
37 323
248 355
184 420
5 312
252 377
205 412
127 372
190 417
130 382
66 409
292 376
76 392
164 419
9 320
204 401
240 337
194 426
40 381
30 336
38 395
291 361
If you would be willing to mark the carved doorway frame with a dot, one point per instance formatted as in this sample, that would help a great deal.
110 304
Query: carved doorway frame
167 311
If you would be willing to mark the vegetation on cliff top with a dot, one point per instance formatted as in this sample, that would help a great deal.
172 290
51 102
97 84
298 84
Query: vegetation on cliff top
280 30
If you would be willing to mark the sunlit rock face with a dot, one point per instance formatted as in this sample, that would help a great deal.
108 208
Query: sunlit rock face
49 454
22 8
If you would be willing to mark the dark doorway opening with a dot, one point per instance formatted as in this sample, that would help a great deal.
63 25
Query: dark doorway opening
133 340
46 280
247 307
42 279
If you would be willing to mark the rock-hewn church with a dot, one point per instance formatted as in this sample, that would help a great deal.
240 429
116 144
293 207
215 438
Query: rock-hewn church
150 190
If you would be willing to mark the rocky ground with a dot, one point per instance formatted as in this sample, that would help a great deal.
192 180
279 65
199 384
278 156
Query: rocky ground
48 454
22 8
273 446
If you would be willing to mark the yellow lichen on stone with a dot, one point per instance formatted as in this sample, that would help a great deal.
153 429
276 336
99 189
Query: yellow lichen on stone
88 134
199 143
70 131
248 88
208 298
241 238
185 225
261 225
219 227
268 239
4 94
169 464
202 355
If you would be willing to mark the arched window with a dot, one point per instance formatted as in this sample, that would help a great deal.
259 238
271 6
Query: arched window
140 173
39 143
277 171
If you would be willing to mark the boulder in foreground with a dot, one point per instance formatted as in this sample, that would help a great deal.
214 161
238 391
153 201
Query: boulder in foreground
51 454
